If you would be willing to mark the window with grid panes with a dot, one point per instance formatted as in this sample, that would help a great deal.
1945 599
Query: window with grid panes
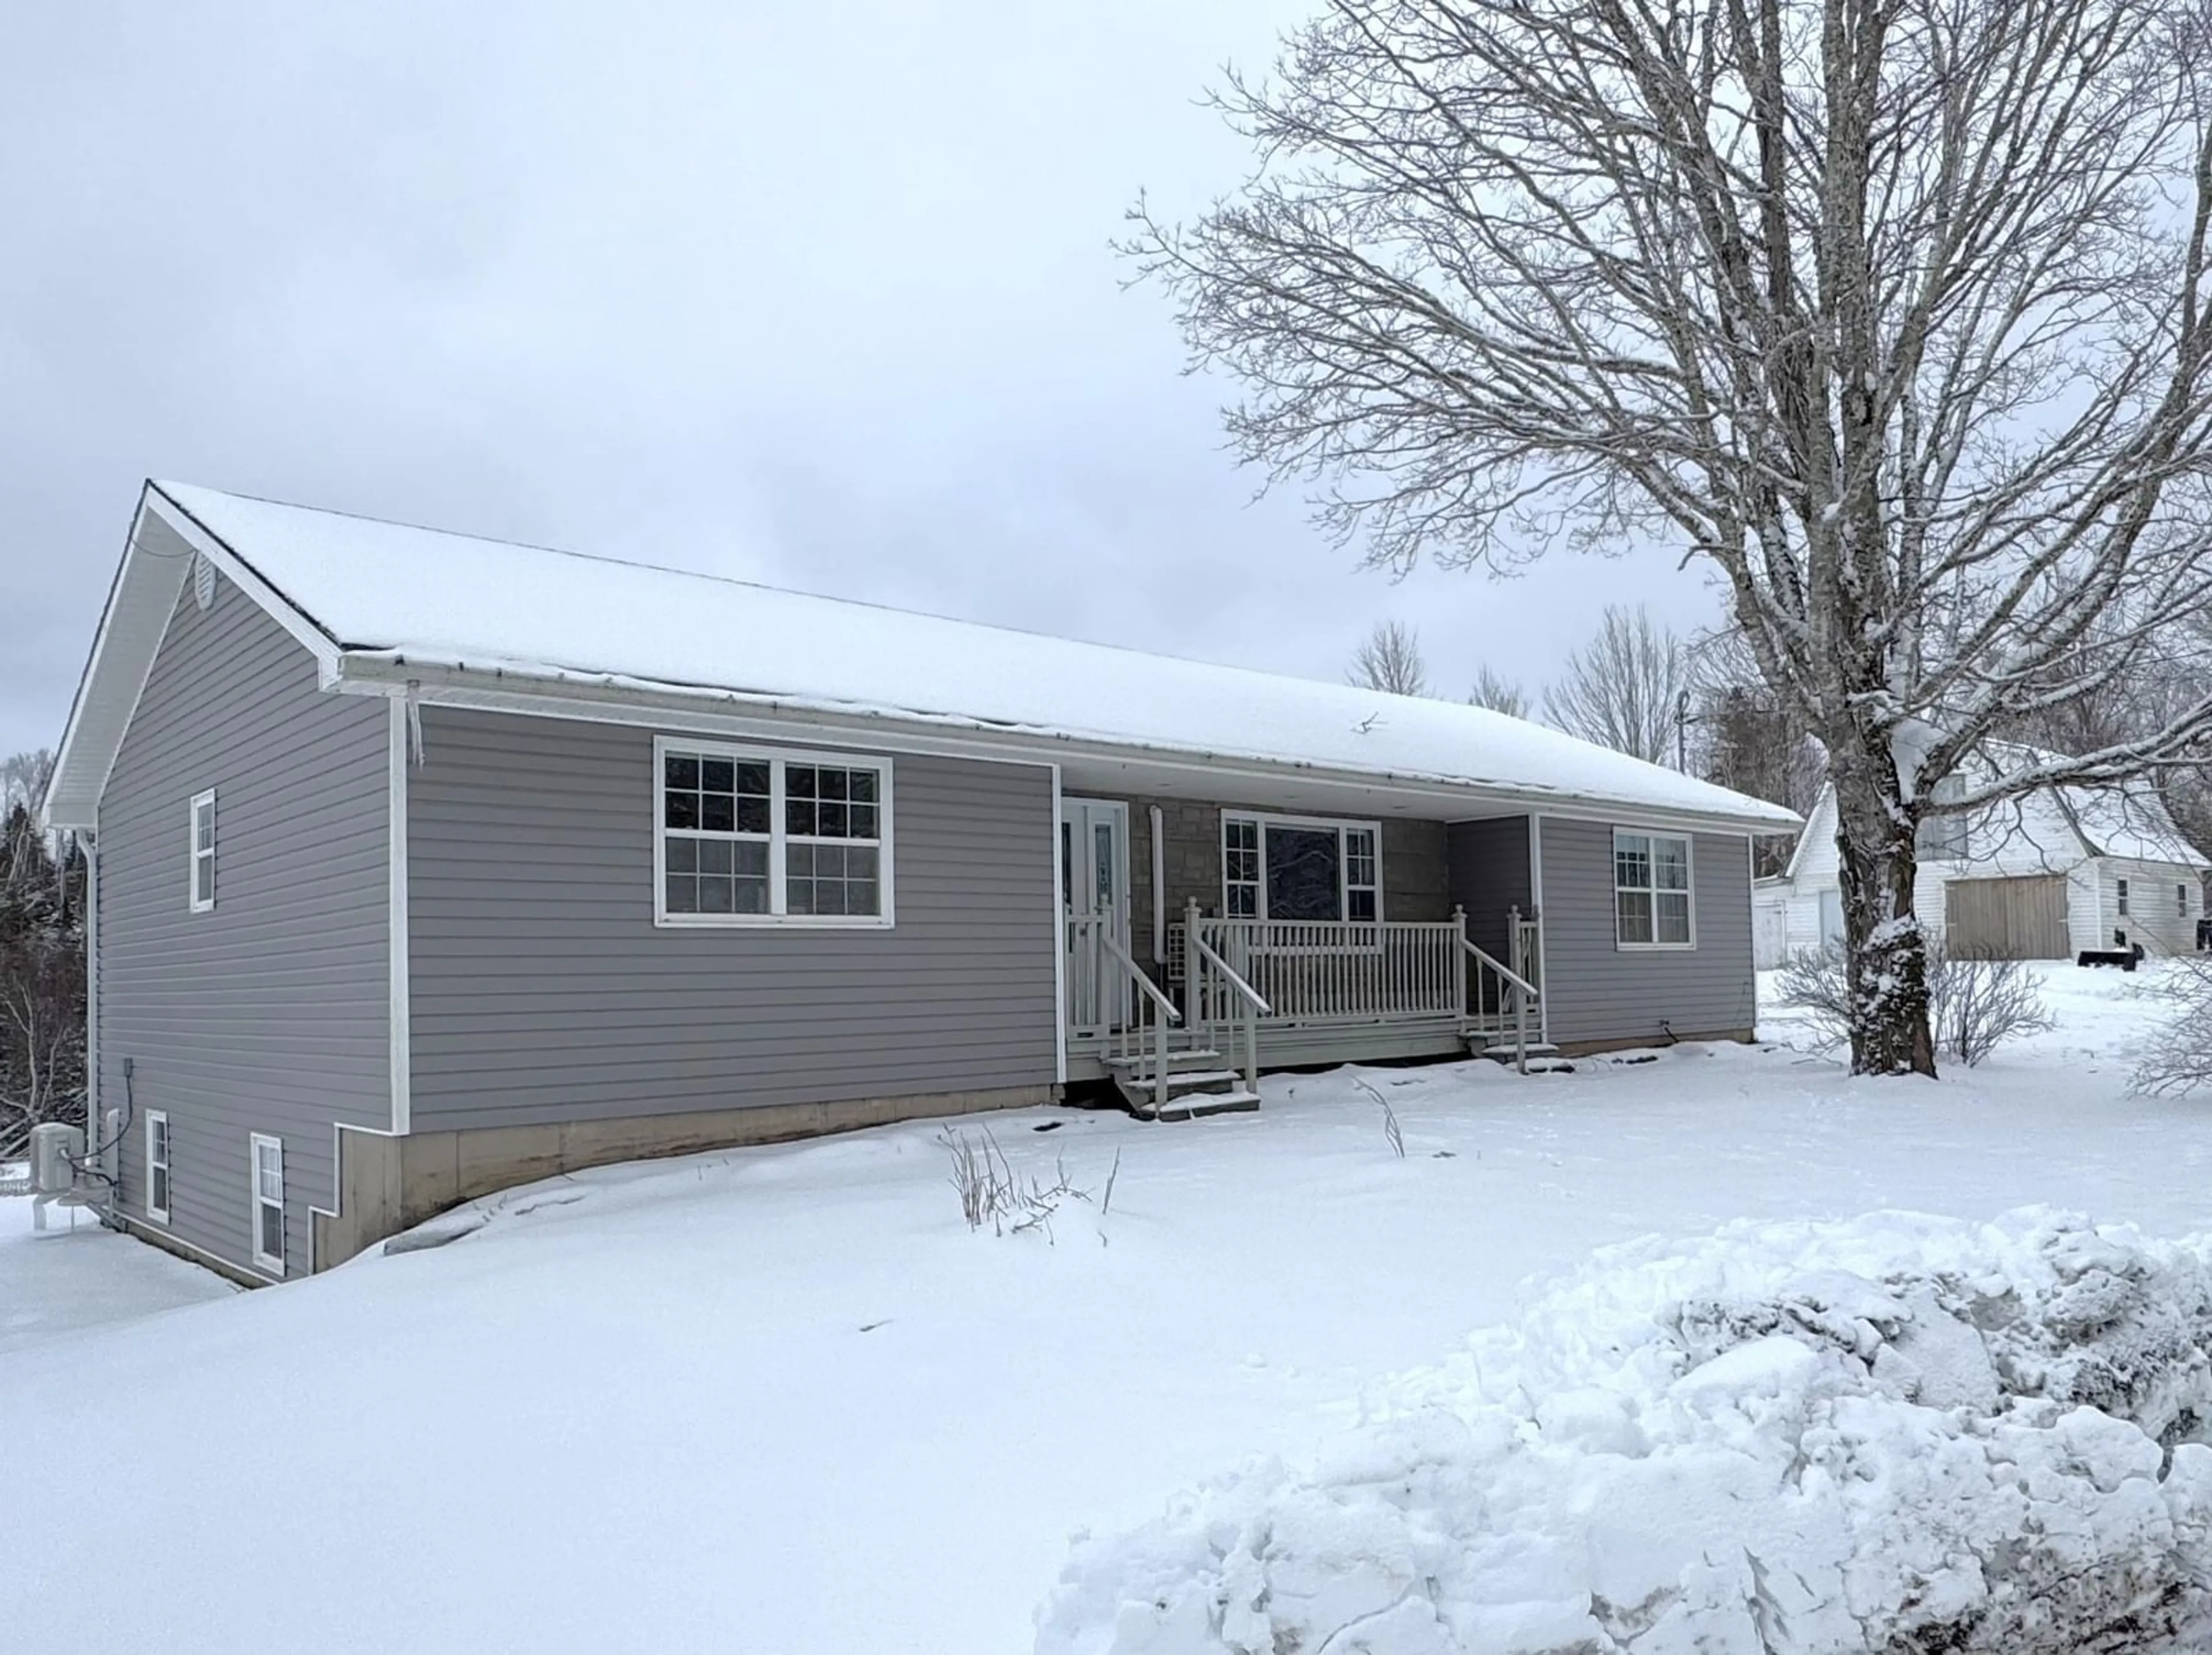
764 837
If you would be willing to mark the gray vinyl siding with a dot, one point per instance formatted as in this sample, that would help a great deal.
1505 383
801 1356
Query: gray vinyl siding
1489 877
1413 859
1595 990
542 992
269 1013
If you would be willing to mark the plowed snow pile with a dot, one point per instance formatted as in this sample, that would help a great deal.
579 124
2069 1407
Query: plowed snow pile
1897 1434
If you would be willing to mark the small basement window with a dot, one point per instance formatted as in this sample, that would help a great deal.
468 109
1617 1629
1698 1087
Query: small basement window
268 1170
745 837
157 1166
203 852
1651 891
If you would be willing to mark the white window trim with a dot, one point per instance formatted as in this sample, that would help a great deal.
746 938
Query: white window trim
775 758
1689 842
167 1163
2122 892
194 855
1263 820
2181 902
255 1142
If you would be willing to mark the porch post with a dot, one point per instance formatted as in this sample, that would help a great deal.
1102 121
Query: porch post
1459 959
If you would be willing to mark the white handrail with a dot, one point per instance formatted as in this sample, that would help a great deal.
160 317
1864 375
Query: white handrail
1163 1013
1253 997
1512 977
1137 975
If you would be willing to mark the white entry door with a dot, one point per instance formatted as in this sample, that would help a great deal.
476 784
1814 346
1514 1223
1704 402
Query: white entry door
1094 887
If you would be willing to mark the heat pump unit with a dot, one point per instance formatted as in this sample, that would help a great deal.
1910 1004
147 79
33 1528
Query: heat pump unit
56 1149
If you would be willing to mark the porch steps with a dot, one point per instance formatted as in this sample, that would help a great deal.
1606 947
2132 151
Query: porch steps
1543 1058
1196 1105
1197 1086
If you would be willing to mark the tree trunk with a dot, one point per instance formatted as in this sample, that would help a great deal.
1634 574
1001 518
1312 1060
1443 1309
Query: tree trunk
1886 956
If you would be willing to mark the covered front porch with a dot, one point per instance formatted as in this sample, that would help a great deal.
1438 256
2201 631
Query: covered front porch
1206 941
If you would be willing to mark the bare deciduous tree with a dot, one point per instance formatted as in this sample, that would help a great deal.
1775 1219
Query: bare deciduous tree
1893 311
1498 693
1622 690
1391 659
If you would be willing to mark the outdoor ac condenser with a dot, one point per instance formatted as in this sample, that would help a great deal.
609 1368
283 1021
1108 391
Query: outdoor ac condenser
55 1151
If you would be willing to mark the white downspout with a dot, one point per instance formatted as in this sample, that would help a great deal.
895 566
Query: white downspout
1159 888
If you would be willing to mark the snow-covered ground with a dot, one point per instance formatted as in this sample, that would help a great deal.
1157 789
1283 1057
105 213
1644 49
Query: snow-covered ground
783 1399
75 1274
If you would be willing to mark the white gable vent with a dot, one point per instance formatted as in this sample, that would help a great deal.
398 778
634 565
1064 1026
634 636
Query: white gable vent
203 581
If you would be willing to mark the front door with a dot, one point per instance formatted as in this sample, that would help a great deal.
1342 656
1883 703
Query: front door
1094 886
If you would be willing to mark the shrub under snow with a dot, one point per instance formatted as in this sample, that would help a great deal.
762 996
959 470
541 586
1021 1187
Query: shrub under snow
1901 1434
1974 1005
2178 1058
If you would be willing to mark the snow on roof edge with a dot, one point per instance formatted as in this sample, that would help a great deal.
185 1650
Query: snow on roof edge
521 676
368 588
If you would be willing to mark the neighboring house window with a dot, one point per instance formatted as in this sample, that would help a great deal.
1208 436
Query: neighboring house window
764 838
203 845
2123 896
157 1166
1300 867
1651 890
1942 837
2181 902
268 1169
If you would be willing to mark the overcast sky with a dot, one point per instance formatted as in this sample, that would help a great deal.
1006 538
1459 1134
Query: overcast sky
823 300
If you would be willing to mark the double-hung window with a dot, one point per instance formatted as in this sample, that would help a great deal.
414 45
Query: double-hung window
203 852
747 836
267 1168
2123 897
1651 890
1299 867
2181 902
157 1166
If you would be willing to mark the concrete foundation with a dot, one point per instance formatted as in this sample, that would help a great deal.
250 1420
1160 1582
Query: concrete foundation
387 1184
1645 1043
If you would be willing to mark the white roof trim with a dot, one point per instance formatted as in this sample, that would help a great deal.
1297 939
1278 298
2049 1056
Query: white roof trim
380 607
148 583
735 713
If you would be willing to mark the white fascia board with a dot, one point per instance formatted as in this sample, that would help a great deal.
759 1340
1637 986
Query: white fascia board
768 718
1805 831
132 624
306 631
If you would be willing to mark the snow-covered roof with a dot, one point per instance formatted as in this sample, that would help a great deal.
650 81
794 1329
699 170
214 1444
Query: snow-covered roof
2050 829
369 595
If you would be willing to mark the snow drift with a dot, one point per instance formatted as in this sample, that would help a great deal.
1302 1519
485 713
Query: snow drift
1899 1434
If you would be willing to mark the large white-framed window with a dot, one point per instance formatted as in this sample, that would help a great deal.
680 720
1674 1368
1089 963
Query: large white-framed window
266 1169
157 1166
1651 905
203 851
745 836
1300 867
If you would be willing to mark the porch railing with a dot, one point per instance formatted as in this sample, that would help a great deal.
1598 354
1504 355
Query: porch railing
1240 977
1502 997
1333 971
1220 998
1128 1015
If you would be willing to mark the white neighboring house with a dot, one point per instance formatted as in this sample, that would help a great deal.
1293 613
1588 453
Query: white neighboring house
2049 876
